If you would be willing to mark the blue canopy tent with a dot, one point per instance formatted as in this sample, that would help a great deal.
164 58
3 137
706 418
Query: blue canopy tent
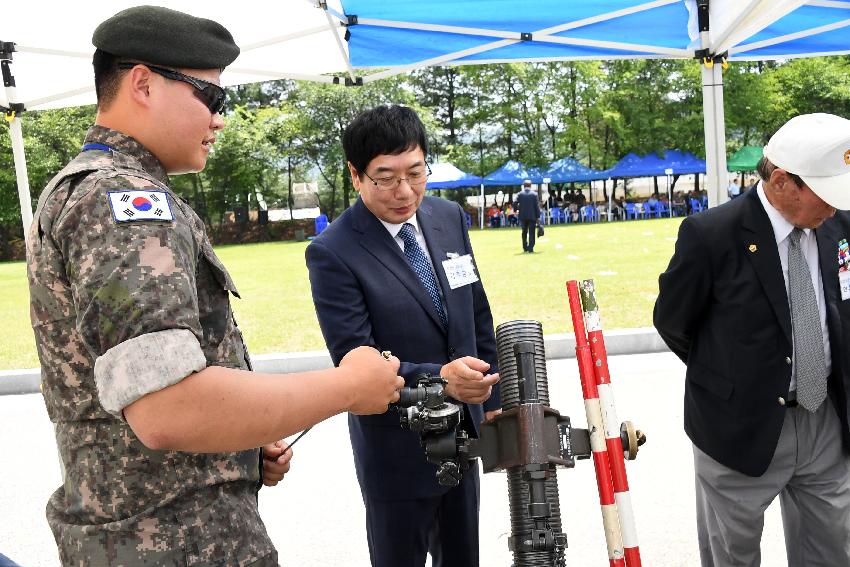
671 162
513 173
568 170
446 176
52 57
683 163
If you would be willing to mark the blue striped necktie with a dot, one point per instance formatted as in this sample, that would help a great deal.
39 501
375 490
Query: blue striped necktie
419 262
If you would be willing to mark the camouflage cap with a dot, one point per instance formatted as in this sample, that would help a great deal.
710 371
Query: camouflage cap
166 37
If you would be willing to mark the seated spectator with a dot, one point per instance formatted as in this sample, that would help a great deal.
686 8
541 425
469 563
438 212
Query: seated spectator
617 209
680 205
652 202
572 212
510 214
495 216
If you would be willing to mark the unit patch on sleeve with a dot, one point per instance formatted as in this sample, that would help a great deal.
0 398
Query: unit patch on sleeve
136 205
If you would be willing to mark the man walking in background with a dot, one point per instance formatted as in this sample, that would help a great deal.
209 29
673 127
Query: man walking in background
529 215
396 271
756 302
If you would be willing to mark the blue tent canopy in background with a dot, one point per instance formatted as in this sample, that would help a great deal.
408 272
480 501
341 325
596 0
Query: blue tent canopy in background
680 163
513 173
446 176
684 163
568 170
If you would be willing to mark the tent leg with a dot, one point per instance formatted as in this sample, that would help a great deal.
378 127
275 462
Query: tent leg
481 215
17 144
21 173
669 198
715 134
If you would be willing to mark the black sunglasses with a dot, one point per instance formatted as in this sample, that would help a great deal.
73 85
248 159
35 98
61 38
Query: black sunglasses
213 96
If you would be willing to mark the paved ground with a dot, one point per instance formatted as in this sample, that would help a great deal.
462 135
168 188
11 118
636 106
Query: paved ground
316 517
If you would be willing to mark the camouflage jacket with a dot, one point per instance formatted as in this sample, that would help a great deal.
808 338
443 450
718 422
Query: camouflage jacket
122 307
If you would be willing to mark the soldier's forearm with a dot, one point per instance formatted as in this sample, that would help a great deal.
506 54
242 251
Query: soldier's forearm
222 409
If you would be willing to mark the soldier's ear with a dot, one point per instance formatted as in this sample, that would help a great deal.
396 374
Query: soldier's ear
138 83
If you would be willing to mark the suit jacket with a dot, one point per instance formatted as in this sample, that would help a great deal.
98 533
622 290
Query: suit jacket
528 205
366 293
723 309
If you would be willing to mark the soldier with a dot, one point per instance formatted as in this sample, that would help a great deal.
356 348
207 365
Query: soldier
144 371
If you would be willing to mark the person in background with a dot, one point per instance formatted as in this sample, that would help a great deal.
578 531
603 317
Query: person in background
734 189
495 216
510 215
529 215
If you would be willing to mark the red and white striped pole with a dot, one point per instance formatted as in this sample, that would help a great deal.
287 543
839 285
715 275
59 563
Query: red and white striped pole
595 424
612 425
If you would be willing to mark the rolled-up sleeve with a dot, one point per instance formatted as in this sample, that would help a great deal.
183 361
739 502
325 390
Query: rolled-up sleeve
145 364
135 296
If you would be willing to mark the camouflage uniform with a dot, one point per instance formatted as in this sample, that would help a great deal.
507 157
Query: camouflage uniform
120 310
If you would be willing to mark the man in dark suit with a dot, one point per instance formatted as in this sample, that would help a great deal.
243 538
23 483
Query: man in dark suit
755 303
395 271
529 213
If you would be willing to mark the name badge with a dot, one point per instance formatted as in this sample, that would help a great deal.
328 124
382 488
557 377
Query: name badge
844 284
460 271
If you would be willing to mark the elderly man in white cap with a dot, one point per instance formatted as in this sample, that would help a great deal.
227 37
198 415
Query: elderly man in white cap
755 302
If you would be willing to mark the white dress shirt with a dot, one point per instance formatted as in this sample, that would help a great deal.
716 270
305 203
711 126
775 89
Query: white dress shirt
809 247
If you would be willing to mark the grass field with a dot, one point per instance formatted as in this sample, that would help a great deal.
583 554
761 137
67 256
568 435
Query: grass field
276 313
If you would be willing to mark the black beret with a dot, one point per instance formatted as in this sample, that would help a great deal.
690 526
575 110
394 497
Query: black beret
166 37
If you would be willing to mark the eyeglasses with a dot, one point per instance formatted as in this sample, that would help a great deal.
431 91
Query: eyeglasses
414 179
213 96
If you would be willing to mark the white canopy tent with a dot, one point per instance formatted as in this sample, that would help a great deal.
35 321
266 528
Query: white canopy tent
46 58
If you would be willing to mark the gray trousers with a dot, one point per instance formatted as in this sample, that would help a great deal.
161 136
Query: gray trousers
811 475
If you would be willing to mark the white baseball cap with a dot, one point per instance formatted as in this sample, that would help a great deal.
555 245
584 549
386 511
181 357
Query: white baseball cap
527 182
816 147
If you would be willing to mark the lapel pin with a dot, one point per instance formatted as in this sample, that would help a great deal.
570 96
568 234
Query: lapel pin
753 248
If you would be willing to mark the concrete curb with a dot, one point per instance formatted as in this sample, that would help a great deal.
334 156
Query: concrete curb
618 342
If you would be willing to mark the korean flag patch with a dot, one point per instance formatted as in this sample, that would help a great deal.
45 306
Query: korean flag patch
136 205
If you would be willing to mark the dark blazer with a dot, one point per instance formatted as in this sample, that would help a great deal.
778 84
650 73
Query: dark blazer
723 309
528 205
366 293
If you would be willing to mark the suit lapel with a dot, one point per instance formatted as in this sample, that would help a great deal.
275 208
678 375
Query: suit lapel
757 231
377 241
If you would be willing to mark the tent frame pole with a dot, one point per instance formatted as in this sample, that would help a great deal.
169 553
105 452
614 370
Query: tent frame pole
483 206
18 155
713 115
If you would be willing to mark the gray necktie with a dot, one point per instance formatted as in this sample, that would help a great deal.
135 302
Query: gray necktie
805 318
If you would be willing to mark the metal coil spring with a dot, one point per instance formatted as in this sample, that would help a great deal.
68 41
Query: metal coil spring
521 523
506 335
